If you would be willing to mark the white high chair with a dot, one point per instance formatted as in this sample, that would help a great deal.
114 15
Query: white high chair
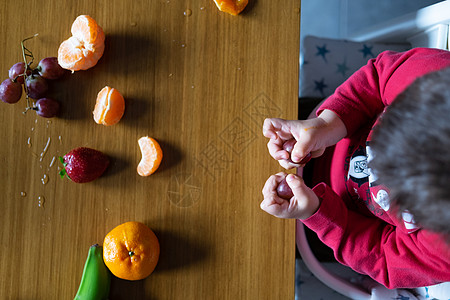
333 281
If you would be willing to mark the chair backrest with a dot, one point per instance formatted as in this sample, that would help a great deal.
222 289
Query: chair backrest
326 63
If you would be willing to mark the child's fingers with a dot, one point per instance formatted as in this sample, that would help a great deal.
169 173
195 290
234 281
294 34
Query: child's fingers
276 127
301 206
305 202
275 206
275 147
297 186
270 128
301 150
271 207
287 164
270 187
272 203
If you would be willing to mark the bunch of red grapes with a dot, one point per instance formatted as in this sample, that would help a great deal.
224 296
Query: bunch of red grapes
34 83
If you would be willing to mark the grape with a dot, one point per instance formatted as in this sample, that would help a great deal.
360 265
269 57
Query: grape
10 91
306 159
47 107
36 85
49 68
289 146
16 70
284 191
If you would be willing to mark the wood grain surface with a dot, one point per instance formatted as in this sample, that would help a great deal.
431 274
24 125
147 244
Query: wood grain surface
199 81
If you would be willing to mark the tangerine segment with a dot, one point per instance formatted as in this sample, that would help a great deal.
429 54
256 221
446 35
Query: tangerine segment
72 55
84 48
92 57
151 156
88 31
131 251
233 7
109 107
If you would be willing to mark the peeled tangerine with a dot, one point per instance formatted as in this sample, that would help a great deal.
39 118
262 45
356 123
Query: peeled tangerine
151 156
84 48
109 107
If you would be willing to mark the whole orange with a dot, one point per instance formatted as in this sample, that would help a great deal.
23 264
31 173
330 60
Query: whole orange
131 251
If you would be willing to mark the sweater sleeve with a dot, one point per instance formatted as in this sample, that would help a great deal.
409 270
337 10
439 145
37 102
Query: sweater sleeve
373 247
365 94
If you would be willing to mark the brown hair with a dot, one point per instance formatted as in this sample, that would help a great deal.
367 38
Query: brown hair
411 148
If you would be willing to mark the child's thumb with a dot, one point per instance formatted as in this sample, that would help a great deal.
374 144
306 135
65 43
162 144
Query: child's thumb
305 202
296 184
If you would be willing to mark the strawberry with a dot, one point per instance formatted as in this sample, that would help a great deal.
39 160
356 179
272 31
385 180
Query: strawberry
84 164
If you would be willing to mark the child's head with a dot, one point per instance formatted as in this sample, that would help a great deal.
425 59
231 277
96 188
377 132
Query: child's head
411 148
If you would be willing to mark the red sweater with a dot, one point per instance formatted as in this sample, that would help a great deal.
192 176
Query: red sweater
355 217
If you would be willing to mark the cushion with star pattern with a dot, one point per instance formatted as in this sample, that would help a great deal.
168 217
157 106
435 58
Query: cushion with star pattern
326 63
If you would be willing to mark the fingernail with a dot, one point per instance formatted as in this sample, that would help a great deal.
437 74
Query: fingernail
290 178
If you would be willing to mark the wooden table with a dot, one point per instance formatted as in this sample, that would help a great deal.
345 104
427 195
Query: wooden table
199 81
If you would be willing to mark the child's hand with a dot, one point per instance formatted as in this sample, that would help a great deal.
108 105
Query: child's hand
312 136
302 205
280 131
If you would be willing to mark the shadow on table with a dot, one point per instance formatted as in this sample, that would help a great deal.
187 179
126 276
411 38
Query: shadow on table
179 252
127 54
171 155
116 165
137 110
127 290
249 8
72 92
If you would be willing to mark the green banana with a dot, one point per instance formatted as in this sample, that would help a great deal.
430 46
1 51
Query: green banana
96 278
